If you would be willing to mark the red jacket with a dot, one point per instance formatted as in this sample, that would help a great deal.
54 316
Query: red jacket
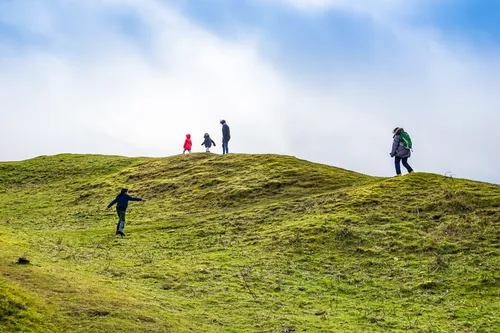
188 144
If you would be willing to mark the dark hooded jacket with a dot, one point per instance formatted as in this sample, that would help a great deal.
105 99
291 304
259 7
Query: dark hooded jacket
122 200
208 142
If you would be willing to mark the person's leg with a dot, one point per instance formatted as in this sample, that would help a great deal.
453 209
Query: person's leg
397 164
121 223
226 147
122 226
406 165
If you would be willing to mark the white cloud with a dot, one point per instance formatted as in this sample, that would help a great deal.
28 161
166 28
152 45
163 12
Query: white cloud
194 80
115 97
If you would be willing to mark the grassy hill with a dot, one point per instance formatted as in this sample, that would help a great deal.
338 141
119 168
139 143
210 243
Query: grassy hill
244 243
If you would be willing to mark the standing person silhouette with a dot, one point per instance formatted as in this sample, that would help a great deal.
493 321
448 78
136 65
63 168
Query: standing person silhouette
226 136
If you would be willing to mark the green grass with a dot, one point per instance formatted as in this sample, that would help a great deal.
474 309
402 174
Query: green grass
244 243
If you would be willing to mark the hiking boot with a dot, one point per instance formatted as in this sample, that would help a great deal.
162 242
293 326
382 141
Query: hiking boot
121 233
398 175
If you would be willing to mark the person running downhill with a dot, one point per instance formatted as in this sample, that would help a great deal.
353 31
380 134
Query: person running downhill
187 144
121 202
401 150
226 136
208 142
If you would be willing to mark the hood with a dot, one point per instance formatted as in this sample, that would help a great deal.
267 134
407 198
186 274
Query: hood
398 130
188 136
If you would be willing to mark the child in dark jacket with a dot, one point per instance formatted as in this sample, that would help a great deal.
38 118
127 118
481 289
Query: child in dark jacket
208 142
121 202
188 144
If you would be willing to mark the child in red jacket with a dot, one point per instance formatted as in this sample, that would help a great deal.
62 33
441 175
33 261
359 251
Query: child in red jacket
187 144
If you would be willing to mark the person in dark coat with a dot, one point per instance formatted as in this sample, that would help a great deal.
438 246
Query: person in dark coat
226 136
121 202
400 152
208 142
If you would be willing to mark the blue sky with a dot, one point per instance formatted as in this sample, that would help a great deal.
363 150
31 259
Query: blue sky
338 34
467 19
317 38
327 37
298 77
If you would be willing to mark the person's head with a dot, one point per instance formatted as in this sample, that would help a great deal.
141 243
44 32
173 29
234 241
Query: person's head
206 135
222 122
123 190
397 130
188 136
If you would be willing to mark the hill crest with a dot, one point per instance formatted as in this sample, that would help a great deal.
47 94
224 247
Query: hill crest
242 243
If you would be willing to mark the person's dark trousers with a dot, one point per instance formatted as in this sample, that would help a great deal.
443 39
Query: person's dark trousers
225 147
121 219
397 162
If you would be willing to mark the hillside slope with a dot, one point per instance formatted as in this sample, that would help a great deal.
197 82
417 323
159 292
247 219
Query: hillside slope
244 243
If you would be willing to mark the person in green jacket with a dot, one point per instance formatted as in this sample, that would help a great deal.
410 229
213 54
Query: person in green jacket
401 150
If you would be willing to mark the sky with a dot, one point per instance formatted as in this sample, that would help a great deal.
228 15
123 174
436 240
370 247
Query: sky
323 80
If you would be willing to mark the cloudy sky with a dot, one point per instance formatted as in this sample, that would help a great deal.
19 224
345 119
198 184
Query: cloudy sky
324 80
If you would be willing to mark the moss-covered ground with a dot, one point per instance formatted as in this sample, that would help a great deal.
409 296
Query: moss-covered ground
244 243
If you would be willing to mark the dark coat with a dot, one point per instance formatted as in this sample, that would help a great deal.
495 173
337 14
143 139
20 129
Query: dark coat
226 133
398 149
122 200
208 142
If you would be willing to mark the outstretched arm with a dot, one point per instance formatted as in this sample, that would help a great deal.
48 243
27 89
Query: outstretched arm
131 198
214 143
112 203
